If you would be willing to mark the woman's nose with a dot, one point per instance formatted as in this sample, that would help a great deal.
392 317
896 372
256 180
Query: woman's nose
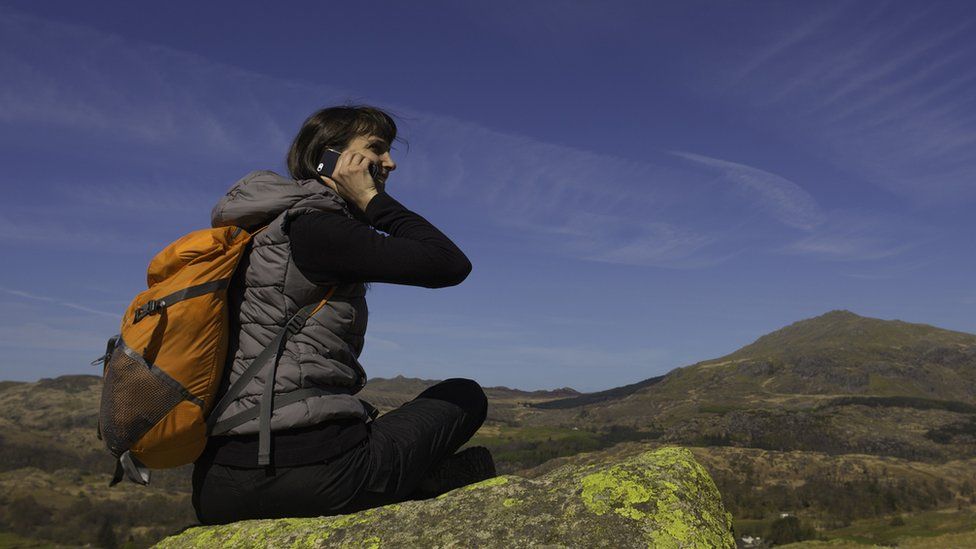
388 162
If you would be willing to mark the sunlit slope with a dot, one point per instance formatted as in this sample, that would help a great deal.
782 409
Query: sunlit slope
838 353
841 352
839 383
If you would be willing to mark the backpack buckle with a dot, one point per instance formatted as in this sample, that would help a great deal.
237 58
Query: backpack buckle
150 308
295 325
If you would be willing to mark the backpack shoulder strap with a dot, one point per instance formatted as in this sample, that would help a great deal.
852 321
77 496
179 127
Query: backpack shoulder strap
269 355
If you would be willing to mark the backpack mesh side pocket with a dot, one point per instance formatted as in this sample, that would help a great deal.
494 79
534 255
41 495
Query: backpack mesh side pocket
135 397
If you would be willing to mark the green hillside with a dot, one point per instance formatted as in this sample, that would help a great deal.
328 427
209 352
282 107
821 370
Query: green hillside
839 420
847 336
54 471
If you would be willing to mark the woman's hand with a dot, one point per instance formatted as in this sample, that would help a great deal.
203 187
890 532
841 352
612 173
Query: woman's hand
351 177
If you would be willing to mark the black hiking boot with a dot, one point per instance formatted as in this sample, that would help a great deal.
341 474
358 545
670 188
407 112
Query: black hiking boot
468 466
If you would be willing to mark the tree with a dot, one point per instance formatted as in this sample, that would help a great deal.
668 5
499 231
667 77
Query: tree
106 535
787 530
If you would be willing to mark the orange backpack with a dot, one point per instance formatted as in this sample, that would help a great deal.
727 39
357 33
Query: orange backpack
162 372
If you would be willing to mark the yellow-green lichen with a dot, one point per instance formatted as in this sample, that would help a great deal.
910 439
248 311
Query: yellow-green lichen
313 540
345 521
660 498
628 489
205 538
674 525
494 481
616 489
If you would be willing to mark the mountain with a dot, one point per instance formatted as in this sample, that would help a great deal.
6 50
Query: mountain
54 471
839 382
835 353
599 396
838 418
841 352
389 393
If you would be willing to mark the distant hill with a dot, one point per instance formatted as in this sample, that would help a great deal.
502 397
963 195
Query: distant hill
838 382
839 393
857 337
600 396
54 472
389 393
838 353
505 405
843 353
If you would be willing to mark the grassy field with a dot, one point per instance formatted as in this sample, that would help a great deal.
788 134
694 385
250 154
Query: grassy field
944 528
519 447
13 541
962 540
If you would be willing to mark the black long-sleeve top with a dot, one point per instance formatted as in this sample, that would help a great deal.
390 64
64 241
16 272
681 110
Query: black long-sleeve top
330 248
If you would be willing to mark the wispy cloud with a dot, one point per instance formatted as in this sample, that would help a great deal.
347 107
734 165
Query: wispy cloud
60 303
55 234
556 199
892 68
845 246
859 236
613 239
787 39
889 101
563 200
136 198
180 101
171 98
777 196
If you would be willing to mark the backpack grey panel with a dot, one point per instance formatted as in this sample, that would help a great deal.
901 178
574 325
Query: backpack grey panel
256 199
324 354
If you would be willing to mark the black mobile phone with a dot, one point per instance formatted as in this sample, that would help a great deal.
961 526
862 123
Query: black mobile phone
330 157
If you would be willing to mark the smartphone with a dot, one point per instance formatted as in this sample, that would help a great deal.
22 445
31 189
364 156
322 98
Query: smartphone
330 157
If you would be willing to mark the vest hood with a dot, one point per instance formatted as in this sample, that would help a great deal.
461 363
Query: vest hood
321 359
260 196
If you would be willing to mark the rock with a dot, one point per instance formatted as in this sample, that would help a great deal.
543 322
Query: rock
658 498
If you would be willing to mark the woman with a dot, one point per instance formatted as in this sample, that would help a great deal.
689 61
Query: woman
319 243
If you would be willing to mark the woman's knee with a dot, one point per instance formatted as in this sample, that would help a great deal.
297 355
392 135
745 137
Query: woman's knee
463 392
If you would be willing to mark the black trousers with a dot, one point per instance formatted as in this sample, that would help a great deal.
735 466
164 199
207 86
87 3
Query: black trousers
387 467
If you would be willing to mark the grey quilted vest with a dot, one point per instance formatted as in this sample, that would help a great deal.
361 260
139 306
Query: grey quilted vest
319 362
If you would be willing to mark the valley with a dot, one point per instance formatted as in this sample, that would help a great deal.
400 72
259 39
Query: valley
839 426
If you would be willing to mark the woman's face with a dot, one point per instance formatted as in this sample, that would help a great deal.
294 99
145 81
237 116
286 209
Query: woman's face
378 151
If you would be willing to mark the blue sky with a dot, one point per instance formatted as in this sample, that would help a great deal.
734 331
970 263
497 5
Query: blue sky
639 186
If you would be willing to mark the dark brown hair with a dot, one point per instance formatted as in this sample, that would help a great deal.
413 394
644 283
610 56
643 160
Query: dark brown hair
335 127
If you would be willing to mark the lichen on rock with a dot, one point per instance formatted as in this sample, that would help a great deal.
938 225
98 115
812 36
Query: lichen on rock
659 498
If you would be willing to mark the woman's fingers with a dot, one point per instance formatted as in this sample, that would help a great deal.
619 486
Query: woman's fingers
355 162
359 159
341 163
353 180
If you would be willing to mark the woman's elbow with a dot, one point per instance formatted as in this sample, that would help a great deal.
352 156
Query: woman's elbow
460 271
463 271
454 274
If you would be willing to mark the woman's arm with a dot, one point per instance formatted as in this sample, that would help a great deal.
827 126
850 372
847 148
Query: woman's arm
329 248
